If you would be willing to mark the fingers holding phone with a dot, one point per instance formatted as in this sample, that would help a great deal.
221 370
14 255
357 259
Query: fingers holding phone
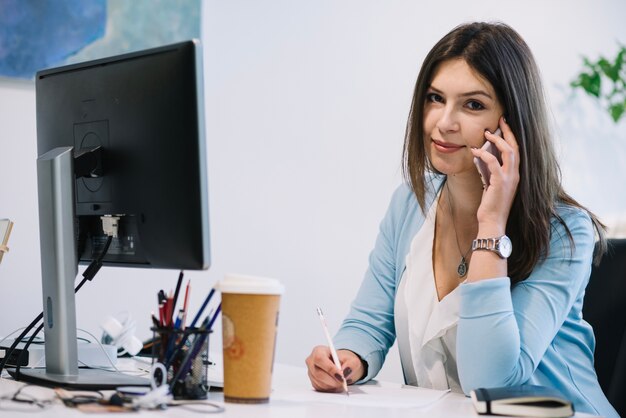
509 149
483 169
498 165
502 145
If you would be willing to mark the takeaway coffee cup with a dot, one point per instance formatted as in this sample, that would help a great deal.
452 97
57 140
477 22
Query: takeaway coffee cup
250 307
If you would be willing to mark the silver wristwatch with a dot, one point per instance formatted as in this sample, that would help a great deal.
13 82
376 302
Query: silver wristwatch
501 245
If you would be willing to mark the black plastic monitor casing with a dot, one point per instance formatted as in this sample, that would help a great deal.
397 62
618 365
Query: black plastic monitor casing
145 110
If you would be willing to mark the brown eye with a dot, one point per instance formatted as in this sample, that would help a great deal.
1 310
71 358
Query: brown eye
434 97
474 105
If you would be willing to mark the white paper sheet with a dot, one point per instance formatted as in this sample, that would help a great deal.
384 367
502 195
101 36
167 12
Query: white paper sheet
369 395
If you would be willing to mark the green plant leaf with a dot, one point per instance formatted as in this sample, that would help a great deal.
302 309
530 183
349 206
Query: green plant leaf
609 70
619 60
617 110
591 83
589 64
614 74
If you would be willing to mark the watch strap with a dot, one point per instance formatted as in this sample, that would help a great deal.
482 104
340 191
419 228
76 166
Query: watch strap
500 245
485 244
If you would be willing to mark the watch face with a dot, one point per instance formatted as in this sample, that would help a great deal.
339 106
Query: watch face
505 247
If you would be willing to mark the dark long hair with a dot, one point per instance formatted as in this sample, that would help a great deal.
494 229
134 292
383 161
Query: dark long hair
500 55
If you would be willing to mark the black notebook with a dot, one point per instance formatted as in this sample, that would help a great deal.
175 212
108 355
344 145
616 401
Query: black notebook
522 401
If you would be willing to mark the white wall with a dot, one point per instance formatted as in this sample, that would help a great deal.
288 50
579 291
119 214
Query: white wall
306 110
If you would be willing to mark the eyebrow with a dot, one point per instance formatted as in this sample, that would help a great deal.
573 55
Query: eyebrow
466 94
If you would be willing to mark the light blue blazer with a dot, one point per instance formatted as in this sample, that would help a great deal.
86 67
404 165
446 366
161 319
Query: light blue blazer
533 333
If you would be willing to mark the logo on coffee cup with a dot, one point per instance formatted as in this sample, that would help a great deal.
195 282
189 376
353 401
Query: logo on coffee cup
236 350
233 346
228 331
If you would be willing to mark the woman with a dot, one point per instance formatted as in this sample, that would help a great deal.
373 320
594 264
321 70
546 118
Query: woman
467 310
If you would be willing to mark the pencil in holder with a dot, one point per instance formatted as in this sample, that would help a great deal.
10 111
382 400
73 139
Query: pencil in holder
185 355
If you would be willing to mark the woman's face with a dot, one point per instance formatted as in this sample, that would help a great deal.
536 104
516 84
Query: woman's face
460 105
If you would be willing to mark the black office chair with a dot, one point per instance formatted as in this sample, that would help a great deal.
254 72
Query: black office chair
605 309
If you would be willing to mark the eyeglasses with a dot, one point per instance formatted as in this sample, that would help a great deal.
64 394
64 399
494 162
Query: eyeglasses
23 401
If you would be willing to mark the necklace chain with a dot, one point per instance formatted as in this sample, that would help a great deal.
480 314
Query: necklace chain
462 267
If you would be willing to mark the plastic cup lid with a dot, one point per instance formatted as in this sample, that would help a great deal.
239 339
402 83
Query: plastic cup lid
239 283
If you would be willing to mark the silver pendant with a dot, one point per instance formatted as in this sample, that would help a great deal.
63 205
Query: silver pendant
462 268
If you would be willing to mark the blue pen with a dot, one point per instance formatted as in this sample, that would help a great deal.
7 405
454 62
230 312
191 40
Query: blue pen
206 302
214 317
193 351
173 337
183 340
179 319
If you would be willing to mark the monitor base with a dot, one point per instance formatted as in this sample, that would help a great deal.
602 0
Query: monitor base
87 379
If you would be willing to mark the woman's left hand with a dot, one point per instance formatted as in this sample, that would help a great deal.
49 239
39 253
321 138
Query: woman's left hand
498 196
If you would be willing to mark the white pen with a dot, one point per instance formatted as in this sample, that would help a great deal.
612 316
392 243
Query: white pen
333 352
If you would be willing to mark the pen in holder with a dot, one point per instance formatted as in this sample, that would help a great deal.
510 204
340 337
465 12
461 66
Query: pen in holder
184 353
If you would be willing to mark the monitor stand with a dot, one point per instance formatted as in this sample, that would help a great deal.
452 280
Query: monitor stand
59 267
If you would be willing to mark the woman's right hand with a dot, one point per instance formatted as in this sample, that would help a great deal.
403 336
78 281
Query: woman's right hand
323 373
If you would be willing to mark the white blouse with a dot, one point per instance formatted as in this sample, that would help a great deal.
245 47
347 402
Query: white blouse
425 326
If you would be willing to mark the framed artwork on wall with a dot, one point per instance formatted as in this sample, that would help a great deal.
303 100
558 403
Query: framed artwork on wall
38 34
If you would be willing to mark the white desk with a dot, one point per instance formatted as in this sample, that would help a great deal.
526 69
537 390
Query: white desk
290 378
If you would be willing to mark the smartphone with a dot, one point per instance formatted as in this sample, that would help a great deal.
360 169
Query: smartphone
485 174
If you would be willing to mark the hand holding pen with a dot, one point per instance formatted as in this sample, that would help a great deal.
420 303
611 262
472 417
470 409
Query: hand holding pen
323 372
340 373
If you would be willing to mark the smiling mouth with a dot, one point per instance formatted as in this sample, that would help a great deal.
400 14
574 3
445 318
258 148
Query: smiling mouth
445 146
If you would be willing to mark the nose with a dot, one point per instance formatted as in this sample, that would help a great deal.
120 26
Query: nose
447 121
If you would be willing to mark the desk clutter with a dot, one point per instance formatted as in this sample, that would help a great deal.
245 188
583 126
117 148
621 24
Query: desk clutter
180 352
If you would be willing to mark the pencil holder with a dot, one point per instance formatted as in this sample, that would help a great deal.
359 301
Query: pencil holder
185 355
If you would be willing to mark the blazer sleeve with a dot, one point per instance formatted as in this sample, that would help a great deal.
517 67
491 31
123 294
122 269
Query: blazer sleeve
503 333
369 328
